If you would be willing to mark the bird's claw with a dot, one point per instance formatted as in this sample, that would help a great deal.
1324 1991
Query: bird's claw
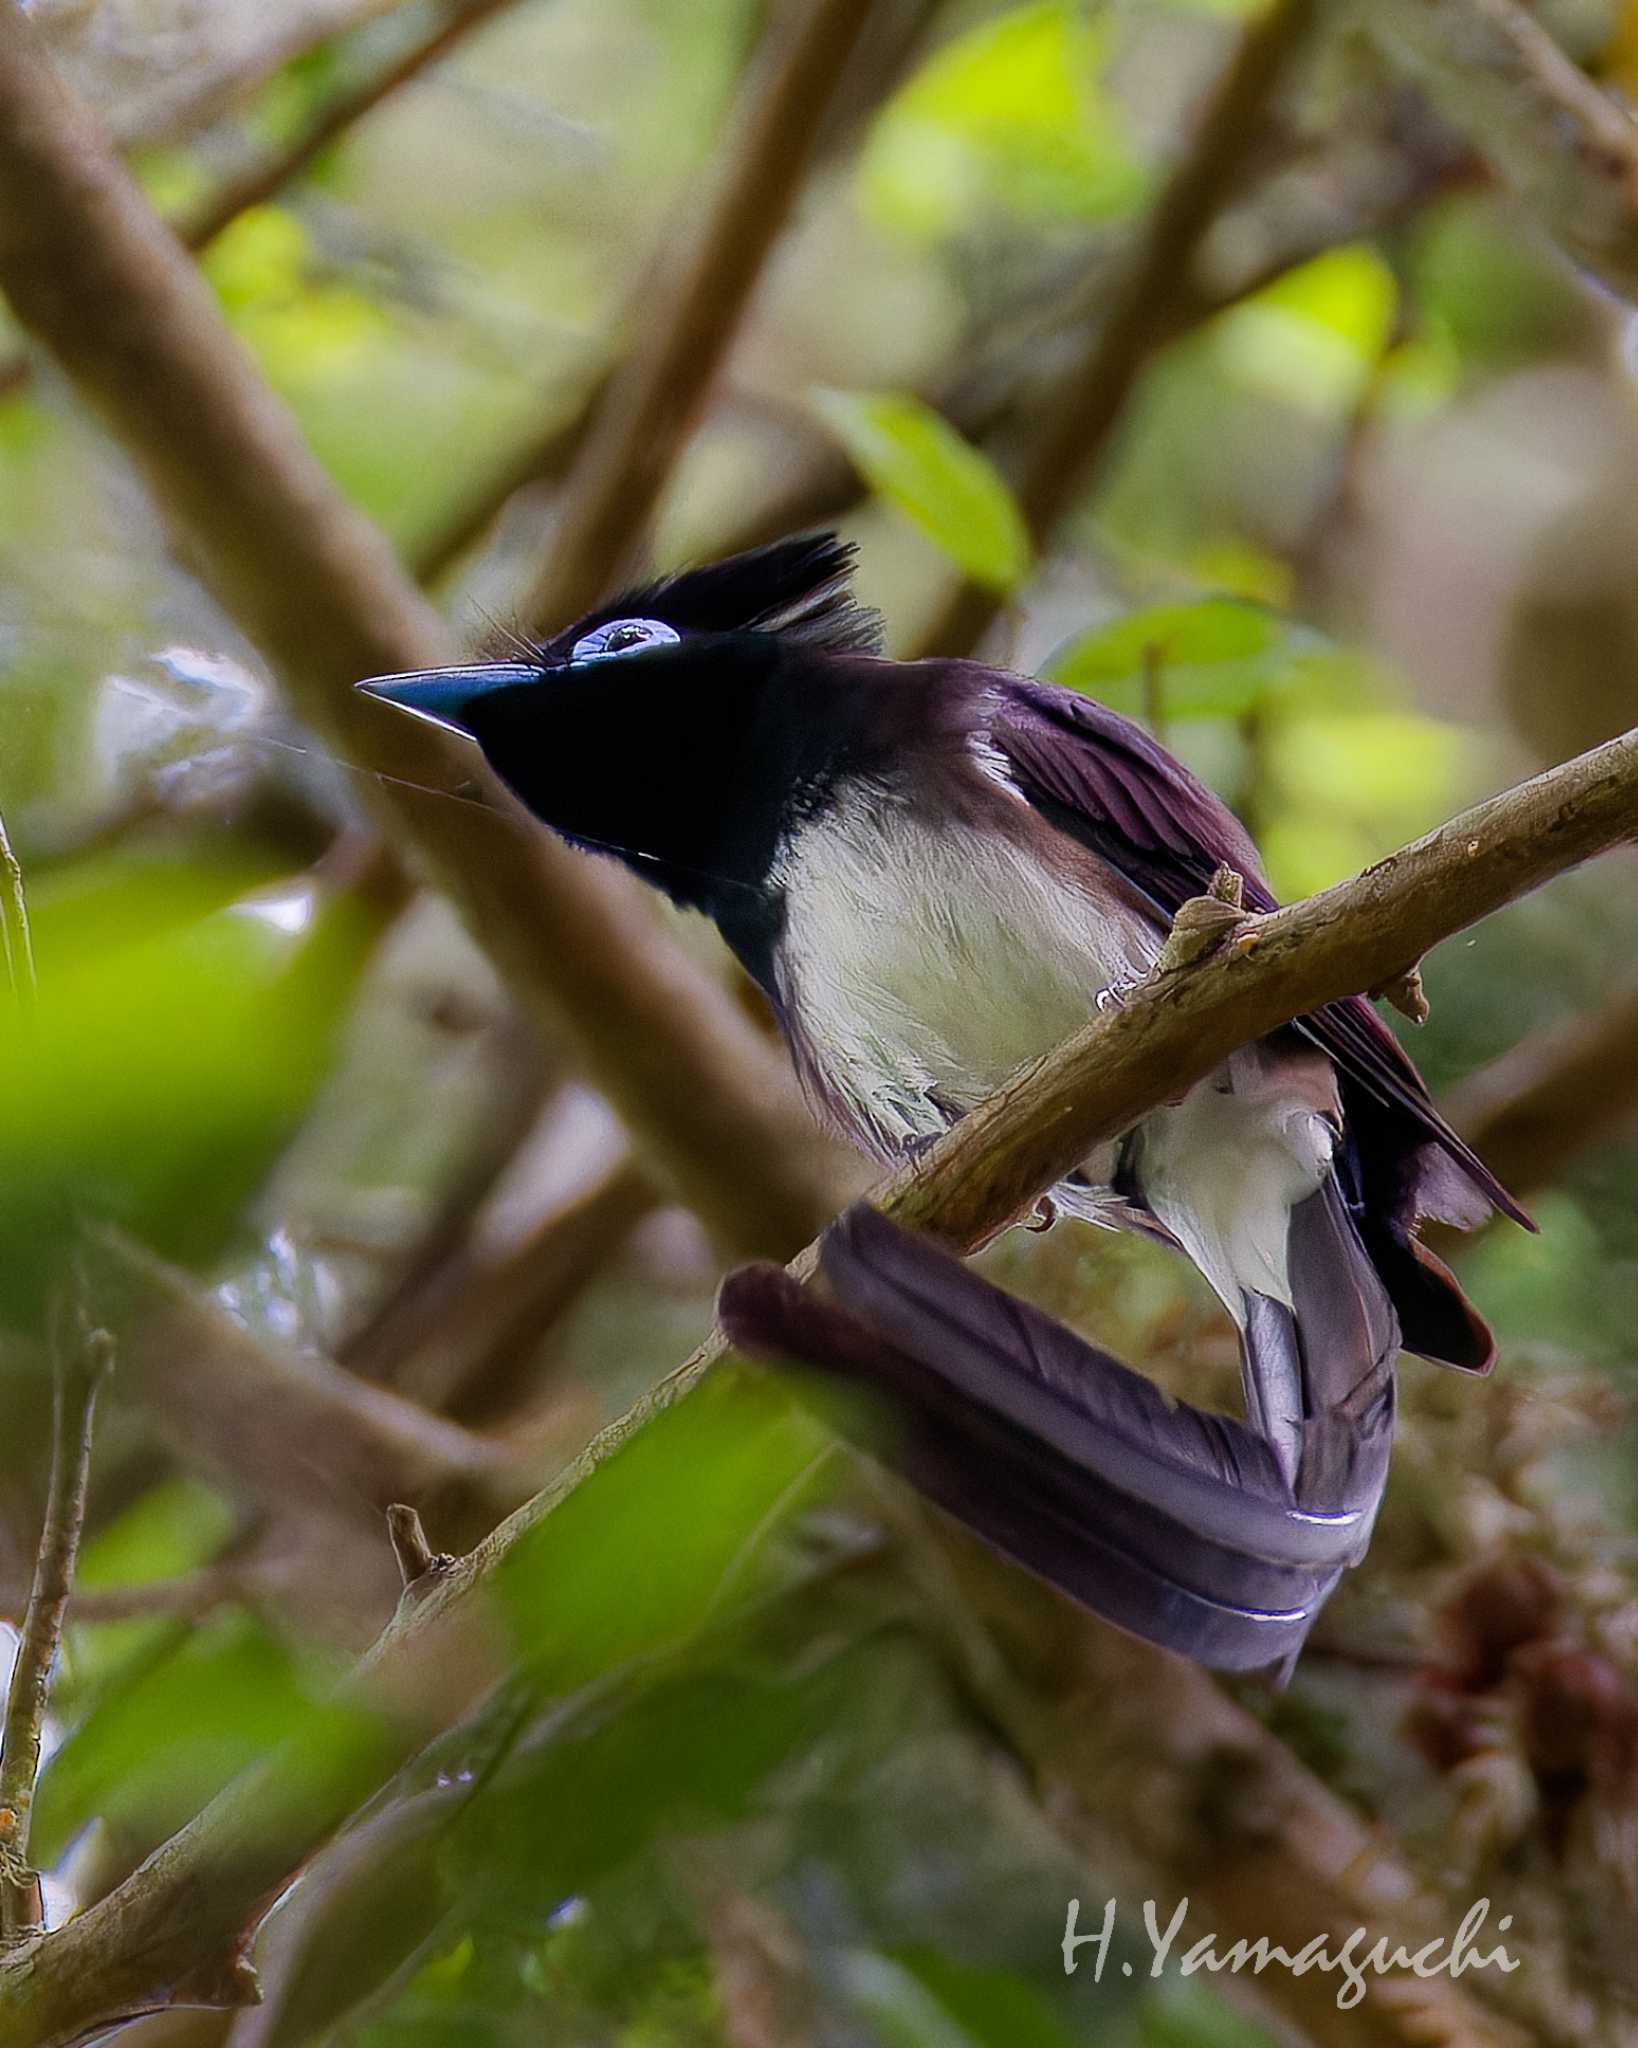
1114 996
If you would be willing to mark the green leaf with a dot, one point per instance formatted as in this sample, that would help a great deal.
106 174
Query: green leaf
173 1528
154 1750
1219 658
1314 338
180 1031
901 2010
1194 2016
995 2008
664 1535
689 1753
942 484
1011 117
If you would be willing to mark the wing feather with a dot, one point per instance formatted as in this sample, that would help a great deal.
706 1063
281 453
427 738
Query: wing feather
1104 780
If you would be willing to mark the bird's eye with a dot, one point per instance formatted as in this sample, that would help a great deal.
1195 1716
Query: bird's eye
623 636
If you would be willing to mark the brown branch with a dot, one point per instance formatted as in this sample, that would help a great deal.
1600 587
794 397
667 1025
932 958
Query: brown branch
1554 1096
97 279
648 410
1566 150
415 1556
433 1268
189 1596
1169 1791
259 182
196 95
1176 1029
1072 433
196 1894
472 1357
82 1355
887 46
281 1427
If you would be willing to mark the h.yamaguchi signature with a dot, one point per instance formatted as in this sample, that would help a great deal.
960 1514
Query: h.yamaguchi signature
1355 1956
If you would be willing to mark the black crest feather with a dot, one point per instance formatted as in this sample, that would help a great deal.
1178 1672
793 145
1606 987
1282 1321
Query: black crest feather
799 589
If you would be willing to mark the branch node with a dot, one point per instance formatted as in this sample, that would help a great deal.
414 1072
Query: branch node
1203 923
223 1984
1406 994
417 1560
82 1355
22 1902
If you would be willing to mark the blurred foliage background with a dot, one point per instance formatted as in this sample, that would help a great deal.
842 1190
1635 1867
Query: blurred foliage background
1362 550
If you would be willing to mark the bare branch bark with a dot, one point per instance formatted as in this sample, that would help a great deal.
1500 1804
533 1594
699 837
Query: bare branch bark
98 280
1074 431
471 1357
82 1355
195 1895
1565 149
290 1431
651 402
414 1554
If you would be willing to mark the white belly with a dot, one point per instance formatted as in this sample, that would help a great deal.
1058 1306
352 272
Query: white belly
920 968
923 967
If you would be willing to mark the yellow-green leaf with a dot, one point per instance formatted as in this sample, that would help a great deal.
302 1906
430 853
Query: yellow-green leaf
942 484
1010 117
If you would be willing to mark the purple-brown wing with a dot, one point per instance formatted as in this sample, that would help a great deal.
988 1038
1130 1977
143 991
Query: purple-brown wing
1102 780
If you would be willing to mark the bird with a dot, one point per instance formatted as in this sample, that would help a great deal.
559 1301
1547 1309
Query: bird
936 870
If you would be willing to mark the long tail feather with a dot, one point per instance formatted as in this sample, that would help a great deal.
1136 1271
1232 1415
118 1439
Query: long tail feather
1175 1524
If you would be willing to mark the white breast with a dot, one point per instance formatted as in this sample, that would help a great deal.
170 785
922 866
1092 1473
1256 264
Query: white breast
922 966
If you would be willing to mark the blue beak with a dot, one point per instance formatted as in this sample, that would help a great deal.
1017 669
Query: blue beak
442 695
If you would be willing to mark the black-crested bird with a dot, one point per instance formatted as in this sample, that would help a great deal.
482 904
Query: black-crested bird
933 870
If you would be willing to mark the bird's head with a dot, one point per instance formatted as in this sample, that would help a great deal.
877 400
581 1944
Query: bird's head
680 726
675 634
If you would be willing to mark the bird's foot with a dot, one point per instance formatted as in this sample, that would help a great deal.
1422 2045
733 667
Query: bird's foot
1046 1214
1204 922
1114 996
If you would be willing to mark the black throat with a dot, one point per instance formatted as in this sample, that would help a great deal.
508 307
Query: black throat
694 764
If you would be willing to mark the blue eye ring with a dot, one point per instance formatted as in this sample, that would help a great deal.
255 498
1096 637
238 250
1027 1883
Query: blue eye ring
623 636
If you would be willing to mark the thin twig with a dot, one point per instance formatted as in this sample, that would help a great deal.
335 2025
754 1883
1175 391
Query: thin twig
1074 430
886 48
1566 150
212 216
474 1356
261 182
414 1554
14 926
648 410
194 95
82 1356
